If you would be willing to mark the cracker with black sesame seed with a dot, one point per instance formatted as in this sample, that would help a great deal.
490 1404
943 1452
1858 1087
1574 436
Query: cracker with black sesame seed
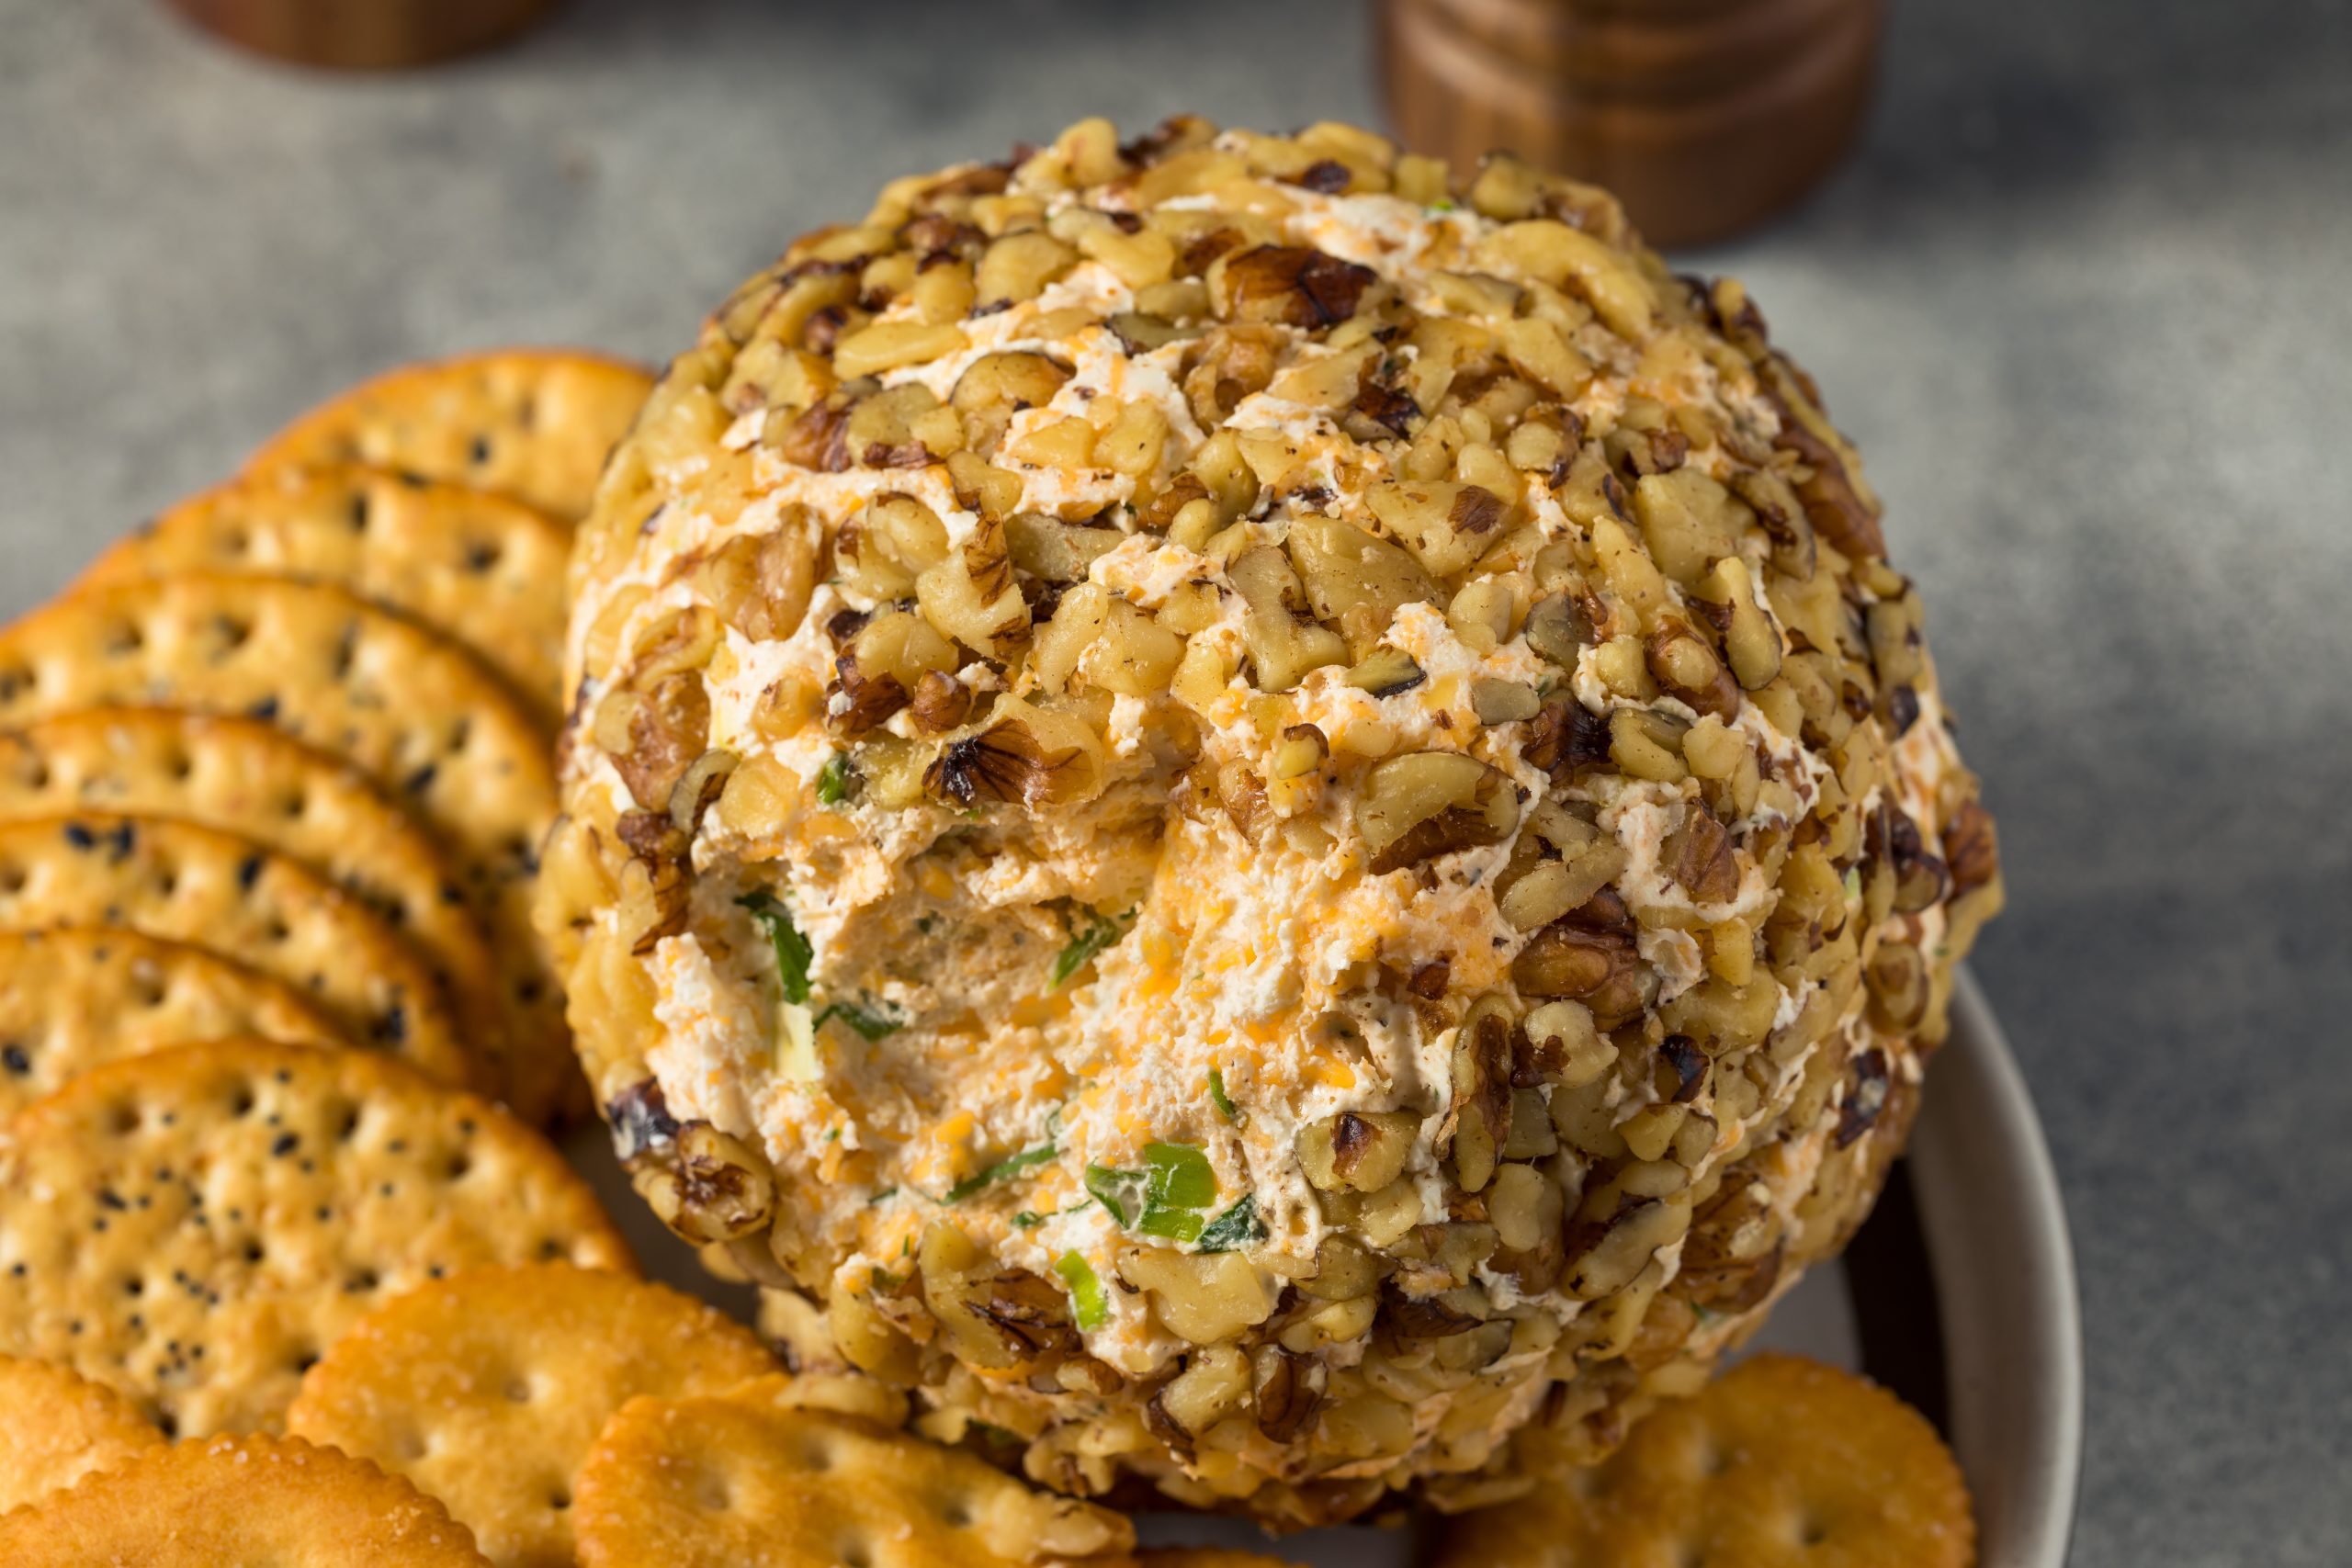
239 1500
433 727
243 777
193 1227
480 569
60 1426
185 883
805 1488
74 996
533 423
487 1388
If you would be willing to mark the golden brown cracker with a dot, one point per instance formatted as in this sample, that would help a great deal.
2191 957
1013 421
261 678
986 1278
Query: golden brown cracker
185 883
193 1227
56 1427
751 1480
223 1501
73 996
486 1389
243 777
1781 1463
533 423
482 570
434 727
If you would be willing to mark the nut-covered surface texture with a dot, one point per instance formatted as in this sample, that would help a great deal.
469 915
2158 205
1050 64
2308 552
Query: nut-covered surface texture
756 1479
533 423
480 567
487 1387
1265 819
179 881
1781 1463
434 728
74 996
246 1500
57 1427
195 1226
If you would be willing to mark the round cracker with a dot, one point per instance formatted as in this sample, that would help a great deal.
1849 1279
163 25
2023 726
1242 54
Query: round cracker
1781 1463
533 423
419 714
75 996
243 777
57 1427
753 1480
239 1500
482 570
487 1388
194 1226
185 883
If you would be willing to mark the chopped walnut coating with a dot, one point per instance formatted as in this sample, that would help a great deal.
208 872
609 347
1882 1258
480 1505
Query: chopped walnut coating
1269 817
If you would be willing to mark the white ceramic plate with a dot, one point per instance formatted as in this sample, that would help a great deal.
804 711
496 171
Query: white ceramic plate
1959 1294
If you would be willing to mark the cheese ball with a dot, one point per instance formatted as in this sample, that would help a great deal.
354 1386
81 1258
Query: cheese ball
1250 820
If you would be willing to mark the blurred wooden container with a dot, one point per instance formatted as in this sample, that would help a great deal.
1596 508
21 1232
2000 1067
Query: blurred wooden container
1706 116
365 35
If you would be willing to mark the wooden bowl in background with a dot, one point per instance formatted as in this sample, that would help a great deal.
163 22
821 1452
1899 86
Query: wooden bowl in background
365 35
1706 116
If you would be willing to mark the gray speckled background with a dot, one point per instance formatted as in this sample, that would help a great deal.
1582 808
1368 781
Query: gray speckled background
2084 300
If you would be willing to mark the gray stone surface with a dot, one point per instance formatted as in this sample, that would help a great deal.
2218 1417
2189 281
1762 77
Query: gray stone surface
2082 299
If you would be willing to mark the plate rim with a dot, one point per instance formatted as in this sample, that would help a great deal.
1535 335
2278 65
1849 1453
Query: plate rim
1994 1221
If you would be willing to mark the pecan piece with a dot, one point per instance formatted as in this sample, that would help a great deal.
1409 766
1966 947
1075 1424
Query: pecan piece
1698 856
1287 1390
1295 286
1832 505
1007 763
1972 848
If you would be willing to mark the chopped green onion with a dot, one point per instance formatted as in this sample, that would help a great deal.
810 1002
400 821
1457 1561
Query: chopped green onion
1090 1307
1027 1220
883 1280
1012 1166
1169 1197
1222 1100
887 1192
1181 1177
1443 204
832 780
875 1021
793 953
1121 1191
1237 1227
1086 946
